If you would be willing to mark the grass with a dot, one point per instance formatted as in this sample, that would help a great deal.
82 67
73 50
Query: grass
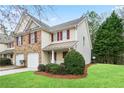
99 75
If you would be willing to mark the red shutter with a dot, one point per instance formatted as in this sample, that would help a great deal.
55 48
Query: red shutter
29 38
68 34
17 41
52 37
58 36
35 37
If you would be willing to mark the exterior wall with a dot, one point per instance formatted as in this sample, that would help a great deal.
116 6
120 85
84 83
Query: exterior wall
85 50
3 47
45 39
29 48
72 36
59 57
45 57
23 24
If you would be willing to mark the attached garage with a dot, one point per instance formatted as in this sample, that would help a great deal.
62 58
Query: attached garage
33 60
18 58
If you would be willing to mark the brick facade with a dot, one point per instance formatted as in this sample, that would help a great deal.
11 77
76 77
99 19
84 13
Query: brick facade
26 47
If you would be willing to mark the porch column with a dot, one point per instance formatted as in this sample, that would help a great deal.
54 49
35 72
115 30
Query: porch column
53 60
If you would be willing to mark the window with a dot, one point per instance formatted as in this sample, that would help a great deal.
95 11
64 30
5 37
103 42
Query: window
19 40
10 45
60 34
32 39
83 40
64 53
55 36
68 34
64 36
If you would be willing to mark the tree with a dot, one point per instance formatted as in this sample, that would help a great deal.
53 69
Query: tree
94 22
10 15
109 41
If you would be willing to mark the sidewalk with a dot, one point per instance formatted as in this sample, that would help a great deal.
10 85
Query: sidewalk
13 71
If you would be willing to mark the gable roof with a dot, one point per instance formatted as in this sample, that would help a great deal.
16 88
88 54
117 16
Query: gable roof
42 25
67 25
55 28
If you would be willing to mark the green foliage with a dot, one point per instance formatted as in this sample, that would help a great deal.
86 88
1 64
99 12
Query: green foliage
52 68
5 62
62 69
109 41
94 21
41 67
74 62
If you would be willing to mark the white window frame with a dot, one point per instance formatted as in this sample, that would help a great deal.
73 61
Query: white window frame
54 36
64 35
32 38
19 41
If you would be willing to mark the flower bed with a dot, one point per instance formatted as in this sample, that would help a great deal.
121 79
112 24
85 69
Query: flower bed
67 76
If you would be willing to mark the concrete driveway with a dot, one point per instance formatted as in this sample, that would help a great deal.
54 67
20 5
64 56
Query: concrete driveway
13 71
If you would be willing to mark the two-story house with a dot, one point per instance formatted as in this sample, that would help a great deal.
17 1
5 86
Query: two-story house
6 44
36 42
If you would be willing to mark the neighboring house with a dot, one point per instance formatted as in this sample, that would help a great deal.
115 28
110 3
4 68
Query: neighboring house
35 42
6 44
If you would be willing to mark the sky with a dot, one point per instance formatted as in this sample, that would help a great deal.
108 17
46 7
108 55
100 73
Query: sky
63 13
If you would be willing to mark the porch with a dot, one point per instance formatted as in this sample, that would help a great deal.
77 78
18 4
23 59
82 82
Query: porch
8 54
56 52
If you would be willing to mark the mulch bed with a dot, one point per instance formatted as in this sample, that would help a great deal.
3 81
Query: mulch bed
65 76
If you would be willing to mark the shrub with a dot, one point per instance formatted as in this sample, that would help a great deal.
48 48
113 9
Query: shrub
54 68
5 62
74 62
47 68
62 69
41 67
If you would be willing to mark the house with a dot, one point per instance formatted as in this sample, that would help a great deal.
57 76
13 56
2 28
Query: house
6 44
36 42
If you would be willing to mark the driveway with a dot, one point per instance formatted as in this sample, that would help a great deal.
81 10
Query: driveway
13 71
7 67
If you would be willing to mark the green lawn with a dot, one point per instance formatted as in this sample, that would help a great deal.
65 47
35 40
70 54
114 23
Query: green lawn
99 75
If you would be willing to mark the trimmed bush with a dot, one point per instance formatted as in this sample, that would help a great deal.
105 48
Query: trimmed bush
41 67
62 69
5 62
53 68
74 62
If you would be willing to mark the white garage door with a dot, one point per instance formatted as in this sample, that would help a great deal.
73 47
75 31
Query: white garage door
18 58
33 60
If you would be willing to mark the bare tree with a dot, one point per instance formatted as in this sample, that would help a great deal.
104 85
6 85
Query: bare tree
9 15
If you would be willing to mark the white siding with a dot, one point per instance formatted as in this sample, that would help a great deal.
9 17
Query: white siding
85 50
3 47
45 39
23 24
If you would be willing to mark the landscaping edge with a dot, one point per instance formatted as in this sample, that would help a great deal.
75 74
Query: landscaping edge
65 76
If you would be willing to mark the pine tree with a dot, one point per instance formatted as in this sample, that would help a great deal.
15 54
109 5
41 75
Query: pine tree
109 41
